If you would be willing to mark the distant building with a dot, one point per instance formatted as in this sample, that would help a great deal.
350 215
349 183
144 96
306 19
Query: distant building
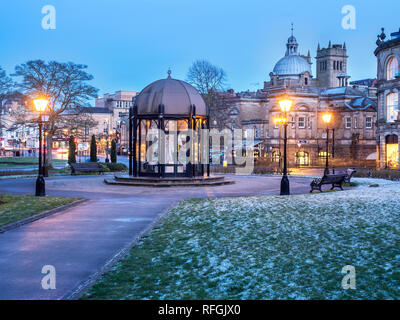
388 57
16 138
111 114
353 107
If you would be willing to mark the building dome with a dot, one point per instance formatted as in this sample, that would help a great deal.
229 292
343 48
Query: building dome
176 96
292 65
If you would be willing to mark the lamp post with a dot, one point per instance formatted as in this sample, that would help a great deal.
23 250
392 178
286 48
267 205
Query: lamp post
40 105
285 105
107 135
327 119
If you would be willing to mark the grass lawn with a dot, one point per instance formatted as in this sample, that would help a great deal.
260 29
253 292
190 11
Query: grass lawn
16 207
270 247
23 160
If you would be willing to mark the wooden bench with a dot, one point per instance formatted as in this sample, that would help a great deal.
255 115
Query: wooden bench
336 180
86 167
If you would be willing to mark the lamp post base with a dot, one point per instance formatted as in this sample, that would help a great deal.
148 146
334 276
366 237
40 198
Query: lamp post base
326 171
285 189
40 187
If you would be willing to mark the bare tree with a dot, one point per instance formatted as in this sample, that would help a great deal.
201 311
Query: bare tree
77 121
206 78
64 84
5 88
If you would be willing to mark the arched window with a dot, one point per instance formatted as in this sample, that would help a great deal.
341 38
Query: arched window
392 151
392 106
302 158
392 69
276 156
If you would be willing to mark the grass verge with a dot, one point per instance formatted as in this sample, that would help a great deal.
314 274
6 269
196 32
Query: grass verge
270 247
17 207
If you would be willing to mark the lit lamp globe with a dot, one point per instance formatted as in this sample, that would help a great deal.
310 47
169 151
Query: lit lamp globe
327 118
285 105
40 104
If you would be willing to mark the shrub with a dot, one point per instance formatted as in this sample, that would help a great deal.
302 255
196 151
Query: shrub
93 149
382 174
105 167
72 150
116 166
113 151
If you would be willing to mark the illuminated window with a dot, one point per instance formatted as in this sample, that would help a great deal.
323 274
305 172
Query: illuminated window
392 151
302 158
276 156
322 155
392 70
392 106
368 122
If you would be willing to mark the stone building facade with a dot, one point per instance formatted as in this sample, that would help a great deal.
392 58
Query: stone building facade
352 131
388 85
111 114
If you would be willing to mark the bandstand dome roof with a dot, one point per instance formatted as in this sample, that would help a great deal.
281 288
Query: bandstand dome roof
177 96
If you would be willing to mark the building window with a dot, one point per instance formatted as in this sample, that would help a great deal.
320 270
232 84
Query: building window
322 155
355 122
302 158
292 122
392 106
309 123
348 122
368 122
302 122
341 65
392 70
306 81
392 151
276 156
255 132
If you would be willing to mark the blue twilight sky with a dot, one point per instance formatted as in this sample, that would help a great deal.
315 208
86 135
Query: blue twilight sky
130 43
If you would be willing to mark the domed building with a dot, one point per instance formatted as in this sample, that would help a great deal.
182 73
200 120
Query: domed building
353 109
292 66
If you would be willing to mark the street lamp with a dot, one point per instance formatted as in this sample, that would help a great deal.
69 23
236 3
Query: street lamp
327 119
40 105
285 105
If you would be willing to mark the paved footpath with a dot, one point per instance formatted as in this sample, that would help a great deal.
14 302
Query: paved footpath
81 240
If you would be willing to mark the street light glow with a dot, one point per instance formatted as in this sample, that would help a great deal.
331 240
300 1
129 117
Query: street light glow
40 104
327 117
280 120
285 105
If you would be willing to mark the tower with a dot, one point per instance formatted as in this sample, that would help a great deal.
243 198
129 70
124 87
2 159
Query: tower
331 62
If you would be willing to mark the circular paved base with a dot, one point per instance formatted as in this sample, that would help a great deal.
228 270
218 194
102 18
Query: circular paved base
156 182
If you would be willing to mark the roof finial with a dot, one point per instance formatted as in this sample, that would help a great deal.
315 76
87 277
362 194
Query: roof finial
169 73
292 29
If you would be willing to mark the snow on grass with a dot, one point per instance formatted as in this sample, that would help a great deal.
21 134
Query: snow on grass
270 247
